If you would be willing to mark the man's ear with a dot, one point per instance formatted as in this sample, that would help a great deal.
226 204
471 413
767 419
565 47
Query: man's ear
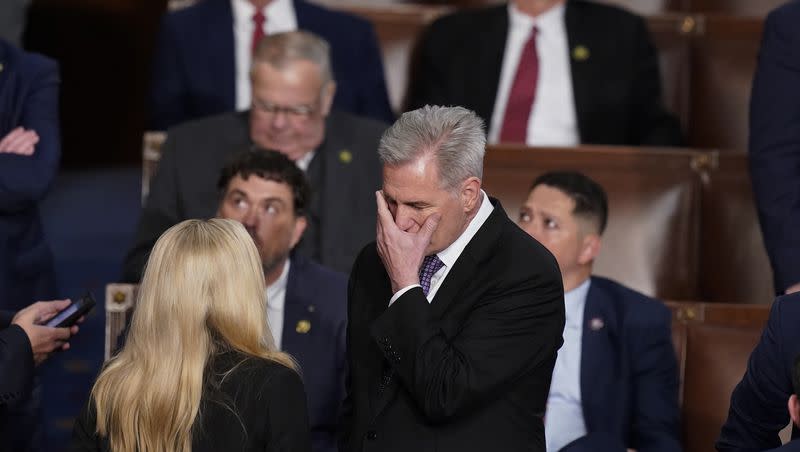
300 225
794 409
590 248
470 193
326 98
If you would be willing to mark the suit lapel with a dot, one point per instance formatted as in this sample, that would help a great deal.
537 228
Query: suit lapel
466 266
220 51
490 61
297 310
577 36
598 356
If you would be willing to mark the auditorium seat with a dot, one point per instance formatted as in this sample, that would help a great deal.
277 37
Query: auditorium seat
716 358
151 154
723 60
398 27
753 8
672 34
734 263
652 239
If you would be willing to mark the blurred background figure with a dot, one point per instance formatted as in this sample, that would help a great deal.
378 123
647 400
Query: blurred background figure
13 16
29 155
199 332
203 56
775 144
548 72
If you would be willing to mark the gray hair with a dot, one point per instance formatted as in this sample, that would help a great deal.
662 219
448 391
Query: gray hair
454 135
281 49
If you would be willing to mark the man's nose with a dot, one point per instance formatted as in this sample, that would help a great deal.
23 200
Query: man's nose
404 218
250 219
279 119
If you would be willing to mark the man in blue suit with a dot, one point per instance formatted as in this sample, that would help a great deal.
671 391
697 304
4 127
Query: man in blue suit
758 403
306 302
775 143
615 382
202 59
29 155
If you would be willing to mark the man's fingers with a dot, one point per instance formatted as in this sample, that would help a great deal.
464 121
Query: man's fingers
9 137
48 309
21 140
430 225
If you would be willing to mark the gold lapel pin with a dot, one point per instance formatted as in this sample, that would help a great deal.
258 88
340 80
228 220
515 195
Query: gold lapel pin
1 67
580 53
345 156
303 327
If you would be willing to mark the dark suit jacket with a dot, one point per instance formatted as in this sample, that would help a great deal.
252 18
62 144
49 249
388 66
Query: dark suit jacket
259 406
629 373
194 70
344 174
16 364
28 98
617 89
758 403
775 142
471 370
317 295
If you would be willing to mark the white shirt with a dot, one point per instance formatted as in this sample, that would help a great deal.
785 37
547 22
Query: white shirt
304 161
552 121
276 300
280 17
563 422
450 255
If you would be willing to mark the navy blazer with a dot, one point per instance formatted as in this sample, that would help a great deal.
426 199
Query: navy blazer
775 142
758 403
314 327
16 364
629 372
194 70
28 98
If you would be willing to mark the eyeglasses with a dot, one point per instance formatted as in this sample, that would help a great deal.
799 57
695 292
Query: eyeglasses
294 111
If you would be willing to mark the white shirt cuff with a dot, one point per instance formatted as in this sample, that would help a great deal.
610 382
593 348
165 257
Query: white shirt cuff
400 292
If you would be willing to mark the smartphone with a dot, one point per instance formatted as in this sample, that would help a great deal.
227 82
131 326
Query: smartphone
73 312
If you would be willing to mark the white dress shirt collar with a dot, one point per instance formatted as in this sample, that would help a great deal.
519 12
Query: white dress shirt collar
549 21
450 254
276 302
575 302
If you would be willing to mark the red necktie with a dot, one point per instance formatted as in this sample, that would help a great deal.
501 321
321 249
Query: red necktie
520 98
258 28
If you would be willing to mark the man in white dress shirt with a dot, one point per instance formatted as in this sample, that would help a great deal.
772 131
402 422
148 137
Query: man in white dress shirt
203 54
548 73
615 381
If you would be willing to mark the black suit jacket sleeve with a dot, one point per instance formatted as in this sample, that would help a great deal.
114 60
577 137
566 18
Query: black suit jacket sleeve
510 332
16 361
161 211
758 404
775 142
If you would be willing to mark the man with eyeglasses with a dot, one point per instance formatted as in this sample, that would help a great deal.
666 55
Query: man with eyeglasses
292 93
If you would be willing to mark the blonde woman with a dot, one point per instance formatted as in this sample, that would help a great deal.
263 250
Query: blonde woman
199 371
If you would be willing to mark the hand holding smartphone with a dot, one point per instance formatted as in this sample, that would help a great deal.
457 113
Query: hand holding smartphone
73 312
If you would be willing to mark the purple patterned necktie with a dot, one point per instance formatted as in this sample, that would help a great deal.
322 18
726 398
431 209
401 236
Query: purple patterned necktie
430 265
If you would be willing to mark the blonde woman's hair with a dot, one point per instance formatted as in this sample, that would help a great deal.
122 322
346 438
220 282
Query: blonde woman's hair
203 292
